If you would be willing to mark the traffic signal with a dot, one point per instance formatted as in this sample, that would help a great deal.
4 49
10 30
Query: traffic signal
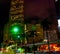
16 29
33 28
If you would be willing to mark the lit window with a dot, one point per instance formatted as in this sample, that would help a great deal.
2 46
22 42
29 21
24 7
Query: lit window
58 22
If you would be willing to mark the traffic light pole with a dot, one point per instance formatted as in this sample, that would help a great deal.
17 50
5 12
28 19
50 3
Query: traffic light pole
48 42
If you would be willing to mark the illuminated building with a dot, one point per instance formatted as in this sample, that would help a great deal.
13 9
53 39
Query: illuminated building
16 16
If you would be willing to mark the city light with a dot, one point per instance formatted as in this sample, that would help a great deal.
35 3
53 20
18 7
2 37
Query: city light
56 0
33 27
58 22
16 29
21 50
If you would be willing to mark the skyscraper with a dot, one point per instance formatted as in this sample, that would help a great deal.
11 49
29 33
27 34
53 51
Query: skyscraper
16 16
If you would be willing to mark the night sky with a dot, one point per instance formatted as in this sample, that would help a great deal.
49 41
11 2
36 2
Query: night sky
4 12
32 8
38 8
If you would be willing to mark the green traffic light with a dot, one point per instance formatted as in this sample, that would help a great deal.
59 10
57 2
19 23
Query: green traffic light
18 36
33 27
15 29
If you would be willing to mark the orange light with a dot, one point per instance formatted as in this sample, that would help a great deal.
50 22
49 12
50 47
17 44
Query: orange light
53 47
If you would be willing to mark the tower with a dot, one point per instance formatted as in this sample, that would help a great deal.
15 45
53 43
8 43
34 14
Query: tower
16 16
